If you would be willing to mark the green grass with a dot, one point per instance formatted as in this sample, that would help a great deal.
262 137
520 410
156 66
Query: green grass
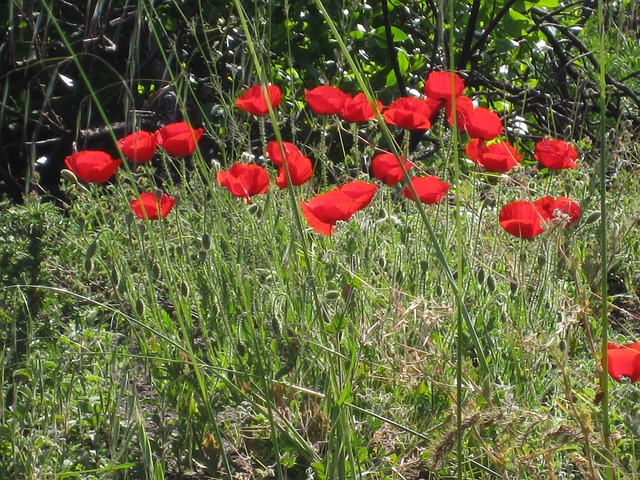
230 341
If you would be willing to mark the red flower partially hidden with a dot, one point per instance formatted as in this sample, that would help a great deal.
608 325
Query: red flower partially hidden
409 113
430 189
497 157
521 219
148 206
562 210
624 361
92 165
323 211
300 167
556 154
464 106
179 139
483 123
386 168
275 154
244 180
326 100
139 146
358 109
254 100
443 85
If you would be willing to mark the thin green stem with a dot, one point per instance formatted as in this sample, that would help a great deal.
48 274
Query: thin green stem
604 255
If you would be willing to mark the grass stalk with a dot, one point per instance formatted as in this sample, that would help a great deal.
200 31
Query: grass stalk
604 248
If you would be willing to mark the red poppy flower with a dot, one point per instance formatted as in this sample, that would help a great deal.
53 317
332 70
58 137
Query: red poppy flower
300 167
254 100
139 146
430 189
563 210
323 211
326 100
439 85
360 192
464 105
521 219
358 109
544 206
386 168
624 361
148 206
483 123
274 152
409 113
179 139
244 180
556 154
92 165
497 157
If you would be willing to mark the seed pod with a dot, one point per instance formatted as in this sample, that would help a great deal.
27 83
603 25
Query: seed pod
184 289
491 283
155 271
480 275
332 295
68 175
424 265
206 241
592 217
91 251
158 194
128 219
88 265
253 209
139 307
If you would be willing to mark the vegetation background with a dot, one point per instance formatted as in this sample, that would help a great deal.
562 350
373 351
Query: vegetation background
227 341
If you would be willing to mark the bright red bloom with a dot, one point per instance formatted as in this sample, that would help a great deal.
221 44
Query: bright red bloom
565 210
483 123
521 219
439 85
323 211
464 106
179 139
244 180
300 167
430 189
358 109
545 208
300 171
624 361
274 152
360 192
326 100
92 165
568 208
148 206
409 113
386 168
556 154
497 157
138 146
254 100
